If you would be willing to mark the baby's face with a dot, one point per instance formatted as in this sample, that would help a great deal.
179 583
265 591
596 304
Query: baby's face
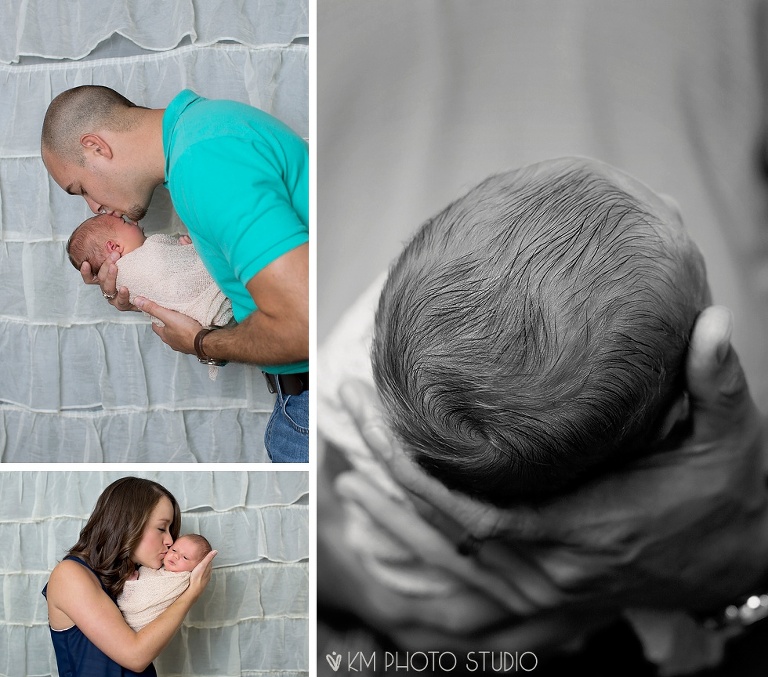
183 555
130 236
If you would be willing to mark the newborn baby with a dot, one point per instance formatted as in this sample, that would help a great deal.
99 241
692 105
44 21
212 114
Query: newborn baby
534 333
153 590
158 267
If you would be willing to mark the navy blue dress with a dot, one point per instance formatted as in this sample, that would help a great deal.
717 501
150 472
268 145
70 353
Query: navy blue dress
77 656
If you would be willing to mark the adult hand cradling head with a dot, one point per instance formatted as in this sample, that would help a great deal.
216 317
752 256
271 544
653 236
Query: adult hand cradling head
684 527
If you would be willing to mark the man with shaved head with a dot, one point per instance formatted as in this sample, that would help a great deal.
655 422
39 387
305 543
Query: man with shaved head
238 178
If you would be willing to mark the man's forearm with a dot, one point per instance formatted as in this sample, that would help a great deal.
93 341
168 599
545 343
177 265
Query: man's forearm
261 340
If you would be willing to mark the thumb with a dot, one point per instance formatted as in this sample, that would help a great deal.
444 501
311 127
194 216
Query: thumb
150 307
719 393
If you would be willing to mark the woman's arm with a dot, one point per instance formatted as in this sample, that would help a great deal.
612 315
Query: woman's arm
75 597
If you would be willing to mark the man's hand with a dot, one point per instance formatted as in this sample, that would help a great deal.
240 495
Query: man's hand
179 331
447 614
107 280
686 527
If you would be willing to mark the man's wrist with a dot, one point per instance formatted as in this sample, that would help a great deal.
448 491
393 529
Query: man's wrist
202 356
752 604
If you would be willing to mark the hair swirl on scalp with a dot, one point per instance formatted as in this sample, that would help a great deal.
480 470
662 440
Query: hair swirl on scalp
116 526
533 331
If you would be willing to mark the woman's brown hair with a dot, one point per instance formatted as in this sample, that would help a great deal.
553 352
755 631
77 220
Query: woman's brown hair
116 526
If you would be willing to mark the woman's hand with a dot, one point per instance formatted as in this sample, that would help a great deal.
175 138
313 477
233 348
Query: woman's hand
201 574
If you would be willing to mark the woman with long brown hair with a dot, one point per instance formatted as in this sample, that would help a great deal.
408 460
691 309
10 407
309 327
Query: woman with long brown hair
133 524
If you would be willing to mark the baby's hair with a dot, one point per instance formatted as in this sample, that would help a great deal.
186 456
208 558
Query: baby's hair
87 244
533 331
200 541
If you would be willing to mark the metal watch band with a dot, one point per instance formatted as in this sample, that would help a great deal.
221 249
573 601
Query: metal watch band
751 610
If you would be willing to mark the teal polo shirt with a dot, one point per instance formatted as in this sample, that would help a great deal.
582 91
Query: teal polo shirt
239 180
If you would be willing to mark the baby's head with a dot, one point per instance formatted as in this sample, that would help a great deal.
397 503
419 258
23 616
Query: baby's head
96 238
536 330
186 552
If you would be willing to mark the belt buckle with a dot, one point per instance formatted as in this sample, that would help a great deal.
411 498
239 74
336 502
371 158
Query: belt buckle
270 386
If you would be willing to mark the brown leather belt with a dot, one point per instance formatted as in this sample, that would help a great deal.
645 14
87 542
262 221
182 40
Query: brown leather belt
290 384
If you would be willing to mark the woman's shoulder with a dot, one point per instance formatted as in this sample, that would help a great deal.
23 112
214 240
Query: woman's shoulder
70 585
73 573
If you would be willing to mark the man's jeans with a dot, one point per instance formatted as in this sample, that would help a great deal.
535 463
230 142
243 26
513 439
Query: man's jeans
287 433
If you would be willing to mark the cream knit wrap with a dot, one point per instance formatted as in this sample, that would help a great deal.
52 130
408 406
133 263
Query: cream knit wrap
144 599
173 276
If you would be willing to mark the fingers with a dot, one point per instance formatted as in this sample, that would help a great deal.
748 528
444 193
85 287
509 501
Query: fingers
202 570
206 561
456 615
716 383
363 403
208 558
441 506
430 546
107 276
123 300
107 280
151 308
87 274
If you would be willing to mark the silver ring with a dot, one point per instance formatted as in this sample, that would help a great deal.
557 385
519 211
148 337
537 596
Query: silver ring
102 211
109 297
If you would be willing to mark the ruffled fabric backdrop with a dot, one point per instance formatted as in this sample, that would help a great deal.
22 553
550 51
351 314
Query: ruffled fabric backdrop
81 381
252 619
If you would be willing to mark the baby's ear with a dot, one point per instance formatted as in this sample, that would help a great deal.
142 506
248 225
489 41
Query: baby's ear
111 246
678 412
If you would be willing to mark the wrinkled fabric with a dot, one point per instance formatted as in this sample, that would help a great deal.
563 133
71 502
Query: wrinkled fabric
173 276
73 29
145 598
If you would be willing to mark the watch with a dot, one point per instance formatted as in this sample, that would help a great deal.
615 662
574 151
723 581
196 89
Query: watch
744 612
201 356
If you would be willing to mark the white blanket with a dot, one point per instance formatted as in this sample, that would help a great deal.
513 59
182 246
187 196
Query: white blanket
173 276
144 599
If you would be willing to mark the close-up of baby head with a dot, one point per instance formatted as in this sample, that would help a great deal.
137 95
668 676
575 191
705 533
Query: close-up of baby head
186 553
535 331
101 235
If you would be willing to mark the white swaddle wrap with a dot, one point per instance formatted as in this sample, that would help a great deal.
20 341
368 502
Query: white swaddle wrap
144 599
173 276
